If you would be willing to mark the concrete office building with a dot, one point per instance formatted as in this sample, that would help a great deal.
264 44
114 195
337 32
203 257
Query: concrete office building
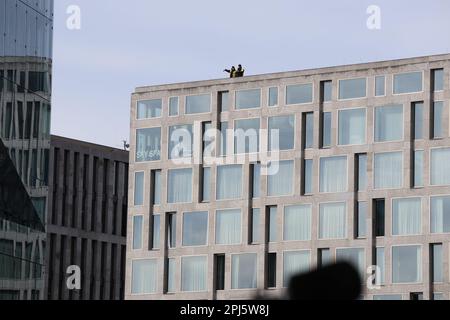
363 176
86 219
26 30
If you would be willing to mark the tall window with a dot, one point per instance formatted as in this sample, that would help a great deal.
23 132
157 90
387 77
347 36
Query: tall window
144 276
326 129
173 106
437 262
181 141
379 212
248 99
418 168
333 174
438 119
285 126
171 269
198 104
272 218
381 264
406 216
156 231
246 136
388 170
281 183
297 223
219 268
172 229
179 186
256 180
256 226
332 221
271 270
324 257
408 82
308 131
438 79
148 144
224 101
195 229
352 126
361 231
418 120
440 167
137 232
389 123
294 263
228 227
380 86
243 271
406 264
440 214
308 177
352 88
362 171
223 138
327 91
298 94
273 97
194 274
206 185
147 109
229 182
156 187
139 188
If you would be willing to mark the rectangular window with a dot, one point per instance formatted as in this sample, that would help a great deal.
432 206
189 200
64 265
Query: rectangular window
352 88
144 276
174 106
219 270
361 231
195 229
281 133
406 264
256 226
179 186
438 296
156 231
208 139
381 264
352 126
149 109
273 97
223 138
298 94
438 79
389 123
248 99
354 256
308 131
380 86
418 168
281 183
438 119
256 180
327 91
437 263
272 219
324 257
440 167
228 227
224 101
379 212
171 269
332 221
440 214
206 185
139 188
416 296
333 174
362 171
148 144
271 270
308 177
408 82
246 136
418 120
243 271
194 274
297 223
137 232
326 129
388 170
387 297
172 230
181 141
198 104
406 216
157 187
229 182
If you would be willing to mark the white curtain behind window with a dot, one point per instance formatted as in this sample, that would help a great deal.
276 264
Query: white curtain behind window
333 221
180 186
228 227
243 271
389 123
193 274
144 276
294 262
297 223
352 126
333 174
281 183
388 170
229 182
440 167
407 216
440 214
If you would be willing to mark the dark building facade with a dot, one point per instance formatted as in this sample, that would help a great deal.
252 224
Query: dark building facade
26 29
87 216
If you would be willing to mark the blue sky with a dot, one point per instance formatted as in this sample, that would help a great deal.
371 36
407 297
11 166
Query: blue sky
124 44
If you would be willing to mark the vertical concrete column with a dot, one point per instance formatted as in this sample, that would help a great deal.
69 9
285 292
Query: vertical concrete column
107 272
87 270
65 263
56 270
89 182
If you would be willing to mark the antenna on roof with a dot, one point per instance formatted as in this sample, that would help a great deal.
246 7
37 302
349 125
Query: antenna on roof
126 145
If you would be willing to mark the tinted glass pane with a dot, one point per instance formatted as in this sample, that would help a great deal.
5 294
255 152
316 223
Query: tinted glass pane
198 104
173 106
139 188
327 91
309 130
408 82
389 123
352 126
326 129
285 126
438 113
148 144
352 88
149 109
181 141
418 120
248 99
273 97
246 136
438 79
380 86
195 228
302 93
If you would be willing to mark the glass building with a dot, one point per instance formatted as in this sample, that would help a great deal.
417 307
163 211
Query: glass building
26 28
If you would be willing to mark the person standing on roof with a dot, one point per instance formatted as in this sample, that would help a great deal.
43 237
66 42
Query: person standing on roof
232 72
240 71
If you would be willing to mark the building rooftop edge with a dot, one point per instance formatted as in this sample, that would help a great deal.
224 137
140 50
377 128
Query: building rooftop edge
56 138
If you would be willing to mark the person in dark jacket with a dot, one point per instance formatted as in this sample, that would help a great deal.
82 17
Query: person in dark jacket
232 72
